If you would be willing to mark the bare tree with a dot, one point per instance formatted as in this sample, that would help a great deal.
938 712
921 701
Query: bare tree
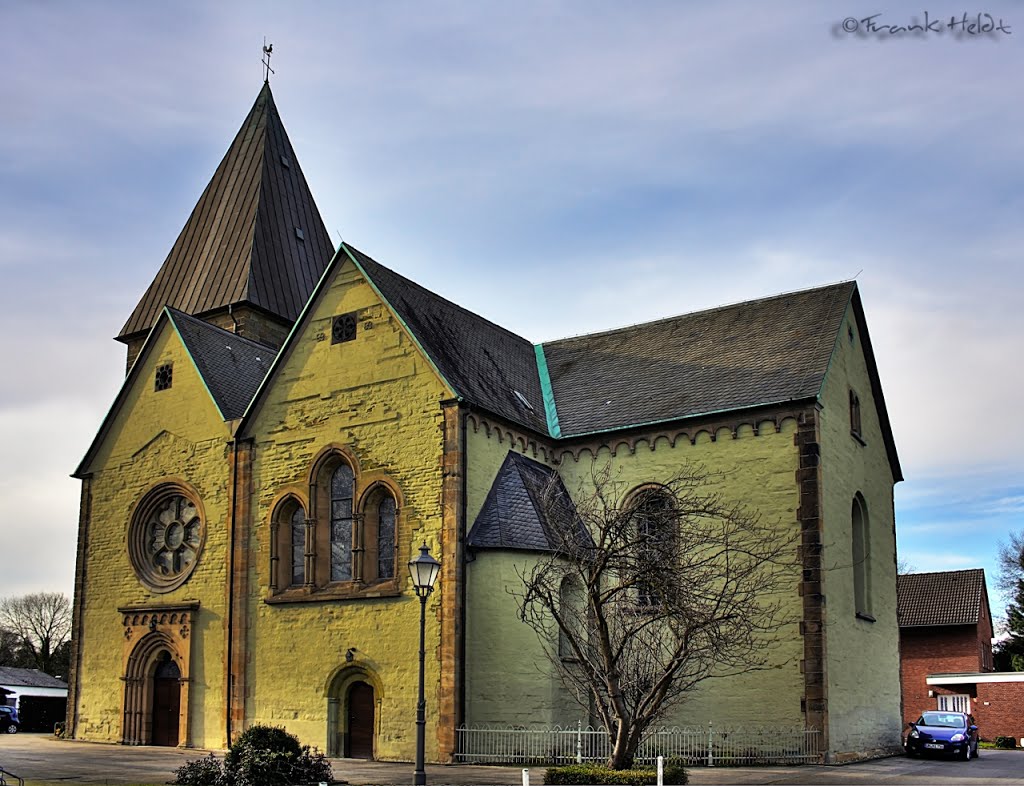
645 598
42 623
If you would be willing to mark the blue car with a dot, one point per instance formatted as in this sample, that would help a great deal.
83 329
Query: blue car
943 732
9 722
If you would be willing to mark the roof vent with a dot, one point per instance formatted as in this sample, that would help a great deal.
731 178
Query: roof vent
522 400
299 234
286 162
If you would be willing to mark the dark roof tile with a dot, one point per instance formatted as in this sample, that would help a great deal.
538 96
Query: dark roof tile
485 363
952 597
231 366
29 678
759 352
527 508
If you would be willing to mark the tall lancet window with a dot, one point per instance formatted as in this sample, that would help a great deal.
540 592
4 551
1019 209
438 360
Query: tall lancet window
341 523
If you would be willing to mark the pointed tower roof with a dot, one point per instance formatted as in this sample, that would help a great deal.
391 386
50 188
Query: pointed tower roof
254 237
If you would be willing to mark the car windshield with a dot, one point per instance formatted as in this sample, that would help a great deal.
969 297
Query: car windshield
950 720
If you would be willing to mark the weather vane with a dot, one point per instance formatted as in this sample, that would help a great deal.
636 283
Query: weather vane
268 50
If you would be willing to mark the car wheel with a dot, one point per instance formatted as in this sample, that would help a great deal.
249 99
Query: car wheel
12 728
966 756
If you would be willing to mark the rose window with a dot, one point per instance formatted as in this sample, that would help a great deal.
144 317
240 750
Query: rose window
166 538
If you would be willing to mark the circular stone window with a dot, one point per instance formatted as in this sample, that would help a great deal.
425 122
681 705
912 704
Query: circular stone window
165 539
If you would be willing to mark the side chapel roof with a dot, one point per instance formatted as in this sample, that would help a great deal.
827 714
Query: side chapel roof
951 597
526 508
232 367
255 236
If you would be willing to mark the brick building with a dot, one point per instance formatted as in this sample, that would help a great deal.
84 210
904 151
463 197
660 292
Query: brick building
296 420
946 652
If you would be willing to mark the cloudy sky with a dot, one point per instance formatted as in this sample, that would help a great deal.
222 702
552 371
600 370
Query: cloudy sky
558 167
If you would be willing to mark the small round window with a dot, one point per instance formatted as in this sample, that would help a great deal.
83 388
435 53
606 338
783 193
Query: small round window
166 537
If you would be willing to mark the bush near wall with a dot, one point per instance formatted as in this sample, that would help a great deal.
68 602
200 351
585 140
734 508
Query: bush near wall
1005 742
674 773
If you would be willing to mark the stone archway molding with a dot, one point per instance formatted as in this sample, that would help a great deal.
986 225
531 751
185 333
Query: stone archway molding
148 631
335 690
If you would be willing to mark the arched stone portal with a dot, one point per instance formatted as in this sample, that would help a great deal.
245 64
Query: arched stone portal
353 702
156 676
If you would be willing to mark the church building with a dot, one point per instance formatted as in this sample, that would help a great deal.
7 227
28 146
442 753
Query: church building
297 419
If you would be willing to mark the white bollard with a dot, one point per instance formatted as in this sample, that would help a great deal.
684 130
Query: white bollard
526 777
661 771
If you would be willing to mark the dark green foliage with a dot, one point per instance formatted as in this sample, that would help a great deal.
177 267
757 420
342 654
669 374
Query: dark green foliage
266 738
1005 742
674 773
200 772
261 756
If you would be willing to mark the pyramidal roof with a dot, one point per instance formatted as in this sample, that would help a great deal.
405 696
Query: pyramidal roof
254 237
527 508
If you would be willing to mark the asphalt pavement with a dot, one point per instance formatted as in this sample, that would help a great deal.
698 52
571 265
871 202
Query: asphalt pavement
41 757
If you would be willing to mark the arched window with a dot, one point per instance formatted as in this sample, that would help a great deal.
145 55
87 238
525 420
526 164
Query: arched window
861 558
654 522
379 526
570 607
288 545
386 512
297 532
341 523
855 428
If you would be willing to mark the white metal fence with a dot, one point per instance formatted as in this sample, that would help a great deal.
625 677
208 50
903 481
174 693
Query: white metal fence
695 745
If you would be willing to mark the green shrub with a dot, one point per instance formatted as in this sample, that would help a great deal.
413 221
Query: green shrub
200 772
576 774
261 756
1005 742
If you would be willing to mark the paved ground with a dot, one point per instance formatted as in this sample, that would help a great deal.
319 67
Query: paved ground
41 757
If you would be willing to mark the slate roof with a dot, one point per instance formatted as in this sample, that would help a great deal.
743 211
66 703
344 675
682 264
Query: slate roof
231 366
760 352
484 362
952 597
240 245
28 678
516 513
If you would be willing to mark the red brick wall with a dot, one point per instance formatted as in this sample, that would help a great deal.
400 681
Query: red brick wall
998 710
934 651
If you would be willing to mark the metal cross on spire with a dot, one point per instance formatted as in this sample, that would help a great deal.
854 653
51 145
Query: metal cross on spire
268 50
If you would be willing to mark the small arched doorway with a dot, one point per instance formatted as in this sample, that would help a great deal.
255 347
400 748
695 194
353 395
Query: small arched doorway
360 721
166 701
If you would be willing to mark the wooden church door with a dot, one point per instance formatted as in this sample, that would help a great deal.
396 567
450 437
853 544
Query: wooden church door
359 740
166 702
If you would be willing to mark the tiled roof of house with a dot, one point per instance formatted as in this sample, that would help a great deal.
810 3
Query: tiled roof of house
231 366
952 597
760 352
527 508
242 242
28 678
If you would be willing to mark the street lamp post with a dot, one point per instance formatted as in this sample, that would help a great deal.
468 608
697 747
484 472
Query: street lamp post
424 570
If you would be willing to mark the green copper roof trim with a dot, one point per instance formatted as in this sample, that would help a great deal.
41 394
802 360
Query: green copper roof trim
195 365
393 310
547 393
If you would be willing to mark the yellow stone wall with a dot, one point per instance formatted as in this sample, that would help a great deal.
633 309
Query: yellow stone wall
174 434
863 656
507 668
378 397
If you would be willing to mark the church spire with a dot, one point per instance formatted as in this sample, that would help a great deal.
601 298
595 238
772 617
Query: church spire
252 249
